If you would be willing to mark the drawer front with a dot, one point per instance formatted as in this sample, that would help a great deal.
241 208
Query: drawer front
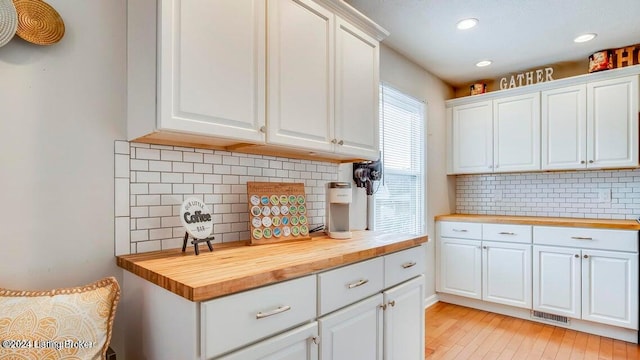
348 284
237 320
506 232
462 230
403 265
585 238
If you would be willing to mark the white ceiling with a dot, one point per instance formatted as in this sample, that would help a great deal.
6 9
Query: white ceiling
516 35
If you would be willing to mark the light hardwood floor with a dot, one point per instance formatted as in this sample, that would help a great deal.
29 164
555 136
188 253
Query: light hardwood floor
457 332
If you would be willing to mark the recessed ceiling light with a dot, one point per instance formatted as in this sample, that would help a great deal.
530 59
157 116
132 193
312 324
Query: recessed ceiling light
584 38
465 24
483 63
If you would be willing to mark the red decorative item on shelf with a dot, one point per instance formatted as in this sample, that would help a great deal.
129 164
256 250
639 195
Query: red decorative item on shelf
601 60
478 88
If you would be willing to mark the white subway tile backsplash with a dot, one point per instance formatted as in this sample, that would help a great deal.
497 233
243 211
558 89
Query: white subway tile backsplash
563 194
159 177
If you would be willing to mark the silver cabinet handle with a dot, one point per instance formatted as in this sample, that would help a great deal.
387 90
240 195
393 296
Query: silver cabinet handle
506 233
408 265
590 161
581 238
586 256
334 141
279 310
316 340
392 303
576 255
582 162
357 283
460 230
485 247
263 129
341 142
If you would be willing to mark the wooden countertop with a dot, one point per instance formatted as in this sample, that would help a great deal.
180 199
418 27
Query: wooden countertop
547 221
236 267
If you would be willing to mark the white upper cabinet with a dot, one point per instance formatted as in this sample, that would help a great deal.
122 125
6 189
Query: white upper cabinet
612 123
585 122
516 133
212 68
296 77
472 138
564 128
301 74
357 92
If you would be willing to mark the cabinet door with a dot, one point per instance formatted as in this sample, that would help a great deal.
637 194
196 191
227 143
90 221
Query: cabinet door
298 344
472 138
354 332
212 68
610 288
612 123
300 96
564 128
357 92
404 321
460 267
516 133
506 273
556 280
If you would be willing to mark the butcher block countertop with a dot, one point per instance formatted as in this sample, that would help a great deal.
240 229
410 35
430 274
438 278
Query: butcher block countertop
545 221
236 266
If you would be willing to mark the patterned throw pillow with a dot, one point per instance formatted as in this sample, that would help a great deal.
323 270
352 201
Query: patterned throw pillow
72 323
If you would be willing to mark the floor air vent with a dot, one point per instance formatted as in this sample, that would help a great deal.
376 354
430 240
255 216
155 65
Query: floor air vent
550 317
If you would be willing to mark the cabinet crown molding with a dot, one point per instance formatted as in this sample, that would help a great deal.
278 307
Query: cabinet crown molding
575 80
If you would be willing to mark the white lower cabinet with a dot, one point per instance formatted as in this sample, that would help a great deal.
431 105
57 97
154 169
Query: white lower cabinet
354 332
506 273
498 271
594 285
298 344
404 321
461 267
588 275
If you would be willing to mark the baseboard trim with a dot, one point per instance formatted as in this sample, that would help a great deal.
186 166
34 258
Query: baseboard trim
430 301
576 324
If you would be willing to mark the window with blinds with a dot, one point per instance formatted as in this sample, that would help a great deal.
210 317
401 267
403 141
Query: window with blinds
399 199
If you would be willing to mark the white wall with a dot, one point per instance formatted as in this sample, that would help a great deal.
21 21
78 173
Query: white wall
404 75
61 108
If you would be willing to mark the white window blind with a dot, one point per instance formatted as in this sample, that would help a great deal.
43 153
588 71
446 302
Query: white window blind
399 200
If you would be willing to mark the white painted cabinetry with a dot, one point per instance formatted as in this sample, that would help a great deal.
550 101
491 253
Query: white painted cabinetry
373 309
490 262
356 130
591 126
516 133
294 76
590 274
612 122
387 325
472 138
301 74
585 122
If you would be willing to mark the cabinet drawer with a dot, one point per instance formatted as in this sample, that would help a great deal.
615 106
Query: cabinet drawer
462 230
349 284
403 265
586 238
506 232
236 320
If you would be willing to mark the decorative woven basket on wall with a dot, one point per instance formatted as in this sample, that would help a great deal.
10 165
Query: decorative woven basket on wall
8 21
38 22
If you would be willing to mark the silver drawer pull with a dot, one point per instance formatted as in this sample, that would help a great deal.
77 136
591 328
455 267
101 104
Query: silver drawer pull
460 230
408 265
581 238
277 311
357 283
506 233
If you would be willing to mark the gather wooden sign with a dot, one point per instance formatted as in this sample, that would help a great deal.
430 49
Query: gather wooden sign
527 78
